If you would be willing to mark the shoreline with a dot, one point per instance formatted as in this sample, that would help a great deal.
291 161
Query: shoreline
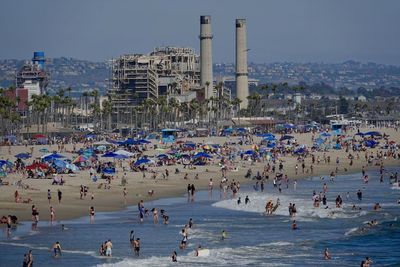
107 200
202 187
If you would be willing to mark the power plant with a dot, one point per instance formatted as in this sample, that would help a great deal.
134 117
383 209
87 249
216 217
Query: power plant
242 85
206 68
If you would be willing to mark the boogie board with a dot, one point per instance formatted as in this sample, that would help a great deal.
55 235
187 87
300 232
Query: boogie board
204 252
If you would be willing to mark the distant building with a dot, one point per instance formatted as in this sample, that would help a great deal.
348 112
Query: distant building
33 76
167 71
230 83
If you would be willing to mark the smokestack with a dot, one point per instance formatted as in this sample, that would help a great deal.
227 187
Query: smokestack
206 71
242 85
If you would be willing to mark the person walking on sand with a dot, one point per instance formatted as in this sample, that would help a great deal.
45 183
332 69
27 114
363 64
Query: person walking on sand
49 195
59 194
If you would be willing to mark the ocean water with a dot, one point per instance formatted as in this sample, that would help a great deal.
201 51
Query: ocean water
254 239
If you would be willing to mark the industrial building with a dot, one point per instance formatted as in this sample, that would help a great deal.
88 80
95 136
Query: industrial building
167 71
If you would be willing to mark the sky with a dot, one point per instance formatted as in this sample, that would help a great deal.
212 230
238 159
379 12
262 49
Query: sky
283 30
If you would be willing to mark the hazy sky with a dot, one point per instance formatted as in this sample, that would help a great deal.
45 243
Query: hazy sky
281 30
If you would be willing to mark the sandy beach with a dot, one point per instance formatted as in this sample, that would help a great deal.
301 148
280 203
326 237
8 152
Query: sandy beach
137 187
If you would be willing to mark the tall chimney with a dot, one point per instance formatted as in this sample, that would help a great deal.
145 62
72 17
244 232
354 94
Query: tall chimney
206 71
242 85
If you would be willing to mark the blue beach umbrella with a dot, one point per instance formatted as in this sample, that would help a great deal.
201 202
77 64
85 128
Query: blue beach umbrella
23 156
109 155
286 137
269 138
202 155
325 135
60 163
142 161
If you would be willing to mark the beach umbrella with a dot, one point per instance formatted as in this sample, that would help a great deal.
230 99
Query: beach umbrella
60 164
23 156
373 133
44 150
269 138
37 165
249 152
109 170
39 136
52 156
206 147
119 156
289 126
102 148
109 155
5 162
125 153
271 145
299 151
142 161
202 155
72 167
162 156
286 137
325 135
80 159
360 134
144 141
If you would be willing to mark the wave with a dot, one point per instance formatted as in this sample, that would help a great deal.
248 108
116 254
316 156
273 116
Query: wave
240 256
305 209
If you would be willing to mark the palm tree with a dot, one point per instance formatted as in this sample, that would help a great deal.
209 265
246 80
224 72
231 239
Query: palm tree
107 111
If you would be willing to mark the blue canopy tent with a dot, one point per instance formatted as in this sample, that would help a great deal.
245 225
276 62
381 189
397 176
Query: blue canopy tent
23 156
169 135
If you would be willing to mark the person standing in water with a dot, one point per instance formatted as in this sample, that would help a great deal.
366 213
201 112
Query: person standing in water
91 214
224 235
136 247
57 249
125 193
174 256
52 214
327 256
247 200
109 246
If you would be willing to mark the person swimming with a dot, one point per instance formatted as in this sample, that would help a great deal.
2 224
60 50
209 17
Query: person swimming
247 200
239 201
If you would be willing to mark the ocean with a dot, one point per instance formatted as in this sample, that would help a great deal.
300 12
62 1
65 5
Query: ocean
253 238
